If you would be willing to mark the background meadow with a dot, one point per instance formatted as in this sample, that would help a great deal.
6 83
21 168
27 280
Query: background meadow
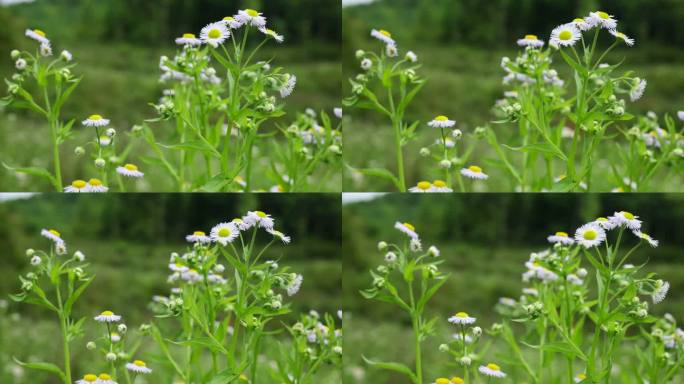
484 241
117 44
460 44
127 239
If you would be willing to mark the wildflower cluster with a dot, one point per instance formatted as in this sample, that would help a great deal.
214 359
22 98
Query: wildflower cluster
557 126
408 265
398 77
557 302
218 97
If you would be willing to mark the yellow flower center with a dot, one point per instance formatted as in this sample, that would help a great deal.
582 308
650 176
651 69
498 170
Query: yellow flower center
602 219
475 168
237 220
95 117
424 185
192 270
493 367
439 184
243 377
270 32
188 35
107 313
590 235
260 214
565 35
229 18
628 215
442 380
139 363
54 232
104 376
80 184
385 33
95 182
578 20
214 34
581 376
238 179
131 167
561 177
199 233
461 315
224 232
621 35
90 378
441 118
562 234
457 380
114 334
39 32
603 15
252 12
531 37
409 226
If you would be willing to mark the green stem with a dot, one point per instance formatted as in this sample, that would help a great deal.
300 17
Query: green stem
63 318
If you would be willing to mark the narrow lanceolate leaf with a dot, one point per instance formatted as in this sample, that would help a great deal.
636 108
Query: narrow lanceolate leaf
47 367
33 171
396 367
227 376
77 293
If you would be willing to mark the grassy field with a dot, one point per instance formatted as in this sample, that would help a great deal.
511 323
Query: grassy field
463 83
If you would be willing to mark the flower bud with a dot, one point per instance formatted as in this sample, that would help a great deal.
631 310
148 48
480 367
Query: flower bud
445 164
477 331
335 149
111 356
382 246
443 348
91 345
79 151
122 328
30 252
100 162
359 54
465 361
456 133
425 152
111 132
79 256
15 54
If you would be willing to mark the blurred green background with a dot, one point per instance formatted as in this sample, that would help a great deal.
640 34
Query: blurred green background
485 240
460 44
127 239
117 44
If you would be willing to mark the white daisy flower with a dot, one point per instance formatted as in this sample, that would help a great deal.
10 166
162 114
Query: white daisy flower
390 257
95 121
105 378
130 170
661 289
637 90
433 251
138 366
383 36
580 378
231 22
52 235
651 241
288 86
492 370
440 186
560 237
284 238
366 64
422 187
530 292
115 337
461 318
178 267
259 219
269 32
680 115
198 237
590 235
88 379
191 276
605 223
411 56
627 219
582 24
565 35
507 301
441 121
474 172
224 233
188 39
602 20
107 317
251 17
530 41
77 186
20 64
37 35
241 224
407 228
66 56
391 50
105 140
622 36
574 279
214 34
95 186
294 285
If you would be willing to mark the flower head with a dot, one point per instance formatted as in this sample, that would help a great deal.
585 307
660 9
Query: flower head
198 237
107 317
530 41
294 285
251 17
461 318
441 121
138 366
214 34
411 56
77 186
231 22
259 219
288 86
284 238
474 172
582 24
383 36
37 35
188 39
224 233
88 379
422 187
130 170
643 236
441 187
661 289
407 228
366 64
95 186
105 378
627 219
602 20
638 89
590 235
66 56
560 237
52 235
95 121
492 370
271 33
622 36
565 35
605 223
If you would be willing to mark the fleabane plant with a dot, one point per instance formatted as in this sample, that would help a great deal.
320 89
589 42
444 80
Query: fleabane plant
565 127
42 84
408 279
223 310
595 322
218 98
387 85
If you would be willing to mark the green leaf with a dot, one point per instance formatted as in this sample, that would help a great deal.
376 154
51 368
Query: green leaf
429 293
224 377
396 367
196 145
33 171
77 293
381 173
48 367
403 104
543 148
203 342
575 65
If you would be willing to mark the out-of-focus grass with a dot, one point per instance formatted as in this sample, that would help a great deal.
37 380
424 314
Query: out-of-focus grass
119 82
464 83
